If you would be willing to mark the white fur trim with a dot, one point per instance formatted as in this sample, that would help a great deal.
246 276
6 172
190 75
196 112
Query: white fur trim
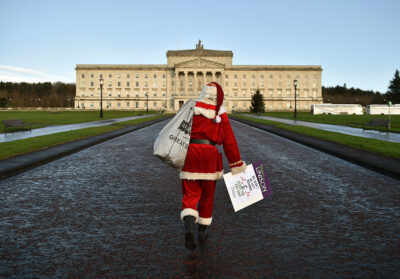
203 176
221 110
208 113
237 170
205 221
218 119
207 101
235 163
190 212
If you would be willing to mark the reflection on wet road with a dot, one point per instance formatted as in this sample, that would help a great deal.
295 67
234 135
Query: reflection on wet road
372 134
113 211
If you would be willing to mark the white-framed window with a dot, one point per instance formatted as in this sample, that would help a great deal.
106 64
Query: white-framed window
288 92
146 84
83 75
154 84
163 84
280 92
137 75
261 84
119 76
109 84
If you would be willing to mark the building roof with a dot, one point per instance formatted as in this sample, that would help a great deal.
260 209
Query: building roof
120 66
200 52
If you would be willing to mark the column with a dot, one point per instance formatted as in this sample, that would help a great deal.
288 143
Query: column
213 76
195 82
186 87
204 78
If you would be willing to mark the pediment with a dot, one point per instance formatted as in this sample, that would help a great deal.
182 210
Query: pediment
199 63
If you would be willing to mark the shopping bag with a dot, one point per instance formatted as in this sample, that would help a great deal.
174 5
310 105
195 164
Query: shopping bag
173 140
248 187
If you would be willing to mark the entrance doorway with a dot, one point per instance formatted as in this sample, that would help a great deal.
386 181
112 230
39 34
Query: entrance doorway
180 104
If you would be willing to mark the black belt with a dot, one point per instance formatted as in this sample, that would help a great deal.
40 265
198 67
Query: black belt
202 141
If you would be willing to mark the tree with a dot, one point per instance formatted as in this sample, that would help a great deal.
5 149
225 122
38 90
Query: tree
3 102
393 92
257 102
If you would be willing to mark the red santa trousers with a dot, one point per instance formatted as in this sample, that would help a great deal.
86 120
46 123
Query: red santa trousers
199 192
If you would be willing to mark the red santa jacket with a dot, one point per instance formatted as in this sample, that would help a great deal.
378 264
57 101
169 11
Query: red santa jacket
203 161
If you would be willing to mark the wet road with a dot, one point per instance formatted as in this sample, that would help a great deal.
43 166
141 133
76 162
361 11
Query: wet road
372 134
112 211
63 128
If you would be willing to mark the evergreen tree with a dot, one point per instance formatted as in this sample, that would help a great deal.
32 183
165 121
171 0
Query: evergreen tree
257 102
393 92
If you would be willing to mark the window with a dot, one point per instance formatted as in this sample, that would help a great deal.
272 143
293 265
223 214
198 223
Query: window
244 84
127 104
109 84
110 75
128 84
235 76
253 76
91 105
288 92
101 75
128 76
163 76
155 94
244 76
288 76
154 84
83 75
253 84
92 75
119 83
235 84
155 76
91 83
163 84
172 83
119 105
137 75
280 84
137 84
261 84
146 84
145 76
226 83
262 76
137 104
109 94
226 76
155 104
271 76
119 76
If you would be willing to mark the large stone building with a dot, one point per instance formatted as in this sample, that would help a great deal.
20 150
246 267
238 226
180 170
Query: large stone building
167 87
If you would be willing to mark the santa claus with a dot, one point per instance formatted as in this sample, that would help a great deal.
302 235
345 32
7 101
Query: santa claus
203 164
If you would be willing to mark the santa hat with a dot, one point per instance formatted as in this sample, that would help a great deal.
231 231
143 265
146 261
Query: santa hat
220 100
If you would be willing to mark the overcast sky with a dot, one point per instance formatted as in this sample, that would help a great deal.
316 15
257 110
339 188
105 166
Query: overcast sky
356 42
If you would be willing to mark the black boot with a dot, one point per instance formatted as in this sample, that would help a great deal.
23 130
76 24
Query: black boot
189 232
202 233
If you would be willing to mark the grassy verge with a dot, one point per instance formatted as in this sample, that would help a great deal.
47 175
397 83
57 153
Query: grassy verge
346 120
17 147
390 149
40 119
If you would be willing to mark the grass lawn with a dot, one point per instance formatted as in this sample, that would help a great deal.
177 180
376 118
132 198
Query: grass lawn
17 147
346 120
40 119
390 149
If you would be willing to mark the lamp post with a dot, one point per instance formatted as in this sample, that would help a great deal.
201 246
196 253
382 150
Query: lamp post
101 97
295 83
147 106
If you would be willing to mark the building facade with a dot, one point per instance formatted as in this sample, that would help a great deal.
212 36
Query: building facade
168 87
